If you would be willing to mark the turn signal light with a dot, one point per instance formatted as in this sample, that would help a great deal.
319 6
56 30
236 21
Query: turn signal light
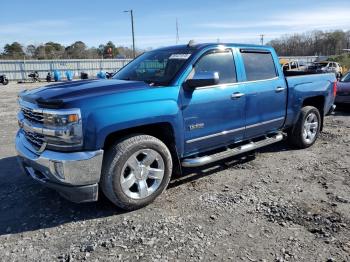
73 118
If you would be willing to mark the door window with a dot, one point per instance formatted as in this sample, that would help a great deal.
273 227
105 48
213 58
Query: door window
220 62
258 66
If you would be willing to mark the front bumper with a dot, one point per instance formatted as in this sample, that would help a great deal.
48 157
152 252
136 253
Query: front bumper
74 175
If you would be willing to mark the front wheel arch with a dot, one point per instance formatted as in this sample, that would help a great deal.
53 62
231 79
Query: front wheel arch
115 159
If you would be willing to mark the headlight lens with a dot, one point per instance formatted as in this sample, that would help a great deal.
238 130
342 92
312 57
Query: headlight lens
63 129
59 120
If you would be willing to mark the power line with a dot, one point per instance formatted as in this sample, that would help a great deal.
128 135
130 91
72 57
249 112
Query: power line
262 39
132 31
177 32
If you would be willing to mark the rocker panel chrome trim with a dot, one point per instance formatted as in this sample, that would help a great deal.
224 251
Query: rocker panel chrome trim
232 130
200 161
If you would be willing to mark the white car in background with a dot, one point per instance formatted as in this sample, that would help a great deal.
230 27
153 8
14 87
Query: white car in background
326 67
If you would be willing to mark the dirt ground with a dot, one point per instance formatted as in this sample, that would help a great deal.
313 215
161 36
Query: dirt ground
278 204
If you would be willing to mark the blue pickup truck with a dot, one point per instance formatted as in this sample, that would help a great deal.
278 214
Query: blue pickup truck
173 107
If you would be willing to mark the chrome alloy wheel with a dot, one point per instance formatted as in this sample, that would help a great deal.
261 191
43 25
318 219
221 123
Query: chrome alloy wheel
142 174
310 128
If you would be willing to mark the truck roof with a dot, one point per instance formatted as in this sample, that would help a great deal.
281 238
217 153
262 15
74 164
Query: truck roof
205 45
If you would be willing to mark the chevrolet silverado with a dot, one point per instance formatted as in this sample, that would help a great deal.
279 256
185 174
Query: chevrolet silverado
170 108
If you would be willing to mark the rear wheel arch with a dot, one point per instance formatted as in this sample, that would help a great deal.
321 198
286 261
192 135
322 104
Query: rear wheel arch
317 102
306 130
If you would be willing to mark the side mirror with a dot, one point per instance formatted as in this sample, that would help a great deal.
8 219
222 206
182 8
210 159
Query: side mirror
203 79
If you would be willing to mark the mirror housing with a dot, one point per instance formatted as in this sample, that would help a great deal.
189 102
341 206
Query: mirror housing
203 79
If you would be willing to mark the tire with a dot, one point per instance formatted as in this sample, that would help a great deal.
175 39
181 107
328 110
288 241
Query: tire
130 159
5 82
299 135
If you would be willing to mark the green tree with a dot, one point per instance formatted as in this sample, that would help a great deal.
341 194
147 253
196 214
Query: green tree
13 51
40 52
54 50
110 50
77 50
30 51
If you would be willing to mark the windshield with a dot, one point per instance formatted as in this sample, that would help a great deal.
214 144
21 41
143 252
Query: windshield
346 78
157 67
320 64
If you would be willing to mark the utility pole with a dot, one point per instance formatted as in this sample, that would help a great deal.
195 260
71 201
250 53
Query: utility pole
262 39
177 32
132 31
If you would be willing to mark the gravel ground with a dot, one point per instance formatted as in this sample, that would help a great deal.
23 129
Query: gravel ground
278 204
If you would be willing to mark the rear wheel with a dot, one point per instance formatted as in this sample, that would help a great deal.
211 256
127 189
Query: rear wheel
135 171
5 82
307 129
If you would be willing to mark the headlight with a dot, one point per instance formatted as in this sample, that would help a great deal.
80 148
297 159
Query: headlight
60 120
63 129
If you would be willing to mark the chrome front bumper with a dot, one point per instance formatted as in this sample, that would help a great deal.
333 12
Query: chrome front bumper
74 175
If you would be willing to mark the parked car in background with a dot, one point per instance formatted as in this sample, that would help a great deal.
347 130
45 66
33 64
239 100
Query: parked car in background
326 67
173 107
294 65
343 90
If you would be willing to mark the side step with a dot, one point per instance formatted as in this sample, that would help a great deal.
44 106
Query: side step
203 160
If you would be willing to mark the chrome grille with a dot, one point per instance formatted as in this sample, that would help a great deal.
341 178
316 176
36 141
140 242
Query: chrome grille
29 114
35 139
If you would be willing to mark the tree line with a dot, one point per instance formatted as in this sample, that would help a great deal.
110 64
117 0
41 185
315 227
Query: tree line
317 43
77 50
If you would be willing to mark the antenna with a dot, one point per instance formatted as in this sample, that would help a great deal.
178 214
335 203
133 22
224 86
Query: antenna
177 32
262 39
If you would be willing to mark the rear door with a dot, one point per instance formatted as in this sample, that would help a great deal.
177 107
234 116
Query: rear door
265 91
214 115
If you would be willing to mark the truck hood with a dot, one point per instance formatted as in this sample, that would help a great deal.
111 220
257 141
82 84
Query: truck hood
57 94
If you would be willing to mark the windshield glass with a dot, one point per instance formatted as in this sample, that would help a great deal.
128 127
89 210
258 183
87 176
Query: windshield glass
157 67
320 64
346 78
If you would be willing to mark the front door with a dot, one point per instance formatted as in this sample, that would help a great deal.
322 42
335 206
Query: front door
214 115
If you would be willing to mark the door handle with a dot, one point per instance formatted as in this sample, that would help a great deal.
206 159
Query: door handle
279 89
237 95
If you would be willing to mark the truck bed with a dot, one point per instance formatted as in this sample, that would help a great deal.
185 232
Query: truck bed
304 85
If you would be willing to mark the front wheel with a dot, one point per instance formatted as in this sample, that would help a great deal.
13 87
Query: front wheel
135 171
307 128
5 81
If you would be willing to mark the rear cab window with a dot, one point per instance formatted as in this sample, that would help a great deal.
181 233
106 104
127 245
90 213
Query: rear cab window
258 65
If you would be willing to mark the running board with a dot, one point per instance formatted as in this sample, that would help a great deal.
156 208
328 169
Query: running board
203 160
